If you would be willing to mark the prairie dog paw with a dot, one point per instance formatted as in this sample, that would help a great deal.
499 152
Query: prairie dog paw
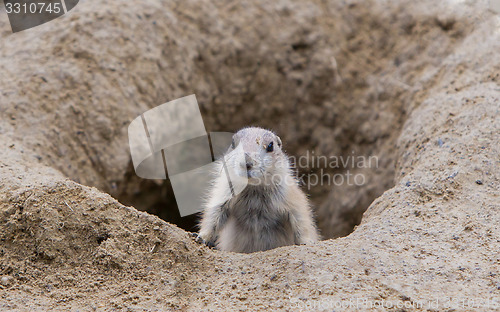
201 240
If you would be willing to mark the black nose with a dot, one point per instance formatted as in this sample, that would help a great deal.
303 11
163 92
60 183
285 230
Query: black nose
248 161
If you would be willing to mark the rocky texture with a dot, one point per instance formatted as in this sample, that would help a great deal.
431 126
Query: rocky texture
415 84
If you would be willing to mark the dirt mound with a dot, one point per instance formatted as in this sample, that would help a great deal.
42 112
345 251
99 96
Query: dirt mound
415 85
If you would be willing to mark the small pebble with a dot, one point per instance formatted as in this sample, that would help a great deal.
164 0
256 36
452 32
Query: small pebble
440 142
6 280
479 182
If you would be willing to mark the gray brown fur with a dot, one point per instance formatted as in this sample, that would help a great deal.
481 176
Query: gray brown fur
267 213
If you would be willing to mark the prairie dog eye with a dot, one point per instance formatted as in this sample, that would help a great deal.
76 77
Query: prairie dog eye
270 147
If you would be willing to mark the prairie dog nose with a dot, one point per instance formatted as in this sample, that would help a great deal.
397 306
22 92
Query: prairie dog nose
249 162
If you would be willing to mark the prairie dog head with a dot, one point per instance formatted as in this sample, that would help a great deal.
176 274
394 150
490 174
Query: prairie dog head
256 154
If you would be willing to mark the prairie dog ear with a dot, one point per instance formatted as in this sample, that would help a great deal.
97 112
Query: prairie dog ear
278 140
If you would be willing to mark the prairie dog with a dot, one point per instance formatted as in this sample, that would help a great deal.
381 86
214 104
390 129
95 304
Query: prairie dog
269 210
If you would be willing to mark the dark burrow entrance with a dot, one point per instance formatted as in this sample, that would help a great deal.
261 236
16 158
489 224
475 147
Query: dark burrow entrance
340 169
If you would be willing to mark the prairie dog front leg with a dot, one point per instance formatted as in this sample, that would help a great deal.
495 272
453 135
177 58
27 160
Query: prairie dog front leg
214 218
